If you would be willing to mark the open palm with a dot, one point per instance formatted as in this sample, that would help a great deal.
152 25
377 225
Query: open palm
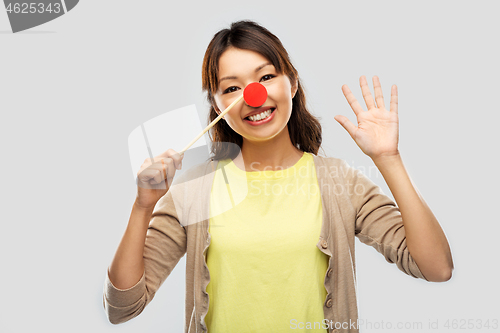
377 132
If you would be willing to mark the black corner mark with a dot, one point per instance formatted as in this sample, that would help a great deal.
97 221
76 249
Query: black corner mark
25 14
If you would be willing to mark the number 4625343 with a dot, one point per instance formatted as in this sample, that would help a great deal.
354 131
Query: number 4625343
32 8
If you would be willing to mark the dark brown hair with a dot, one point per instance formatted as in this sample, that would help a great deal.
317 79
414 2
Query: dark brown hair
304 128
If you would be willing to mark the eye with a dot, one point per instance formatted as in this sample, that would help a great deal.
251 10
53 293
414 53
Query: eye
267 77
230 90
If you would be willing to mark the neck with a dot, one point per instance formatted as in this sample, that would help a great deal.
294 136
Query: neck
273 154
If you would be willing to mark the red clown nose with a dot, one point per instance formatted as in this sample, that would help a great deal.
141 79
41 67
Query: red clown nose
255 94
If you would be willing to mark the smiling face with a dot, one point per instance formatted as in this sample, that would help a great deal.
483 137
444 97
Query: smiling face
238 68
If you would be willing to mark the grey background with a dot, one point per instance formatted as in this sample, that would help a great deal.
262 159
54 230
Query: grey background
74 88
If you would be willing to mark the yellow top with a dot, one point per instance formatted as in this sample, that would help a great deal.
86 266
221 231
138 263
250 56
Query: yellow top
266 273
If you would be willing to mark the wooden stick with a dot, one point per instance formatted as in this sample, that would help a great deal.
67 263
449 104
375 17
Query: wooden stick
212 124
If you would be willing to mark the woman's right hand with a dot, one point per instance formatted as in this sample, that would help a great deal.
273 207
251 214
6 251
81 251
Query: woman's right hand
151 184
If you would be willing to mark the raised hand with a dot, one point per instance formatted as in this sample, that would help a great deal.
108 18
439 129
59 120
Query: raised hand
377 133
155 177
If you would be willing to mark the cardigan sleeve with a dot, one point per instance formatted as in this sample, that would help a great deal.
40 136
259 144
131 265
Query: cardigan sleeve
165 245
379 222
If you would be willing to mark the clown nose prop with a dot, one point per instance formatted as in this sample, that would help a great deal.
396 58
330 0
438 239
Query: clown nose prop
255 94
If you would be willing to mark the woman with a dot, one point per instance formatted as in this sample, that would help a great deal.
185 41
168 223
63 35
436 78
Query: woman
263 254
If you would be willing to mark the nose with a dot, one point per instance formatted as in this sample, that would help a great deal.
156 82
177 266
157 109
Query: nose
255 94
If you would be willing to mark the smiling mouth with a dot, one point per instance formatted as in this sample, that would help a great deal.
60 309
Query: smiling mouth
261 116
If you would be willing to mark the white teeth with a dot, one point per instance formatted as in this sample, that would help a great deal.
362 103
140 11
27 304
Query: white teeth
261 115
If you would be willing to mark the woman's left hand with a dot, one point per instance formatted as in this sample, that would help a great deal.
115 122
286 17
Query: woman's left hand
378 129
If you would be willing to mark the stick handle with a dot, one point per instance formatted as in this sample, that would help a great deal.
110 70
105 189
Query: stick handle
211 124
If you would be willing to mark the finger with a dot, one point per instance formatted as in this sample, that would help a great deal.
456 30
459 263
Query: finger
159 171
170 171
148 182
367 95
163 169
157 177
147 175
346 123
170 153
394 99
355 106
147 162
379 98
156 173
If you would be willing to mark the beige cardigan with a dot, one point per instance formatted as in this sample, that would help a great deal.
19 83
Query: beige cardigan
352 206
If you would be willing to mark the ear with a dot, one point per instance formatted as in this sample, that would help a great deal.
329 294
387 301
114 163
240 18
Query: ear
216 109
214 105
295 87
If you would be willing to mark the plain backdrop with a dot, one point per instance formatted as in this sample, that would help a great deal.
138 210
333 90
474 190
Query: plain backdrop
73 89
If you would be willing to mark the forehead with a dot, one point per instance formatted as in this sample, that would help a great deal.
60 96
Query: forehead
238 61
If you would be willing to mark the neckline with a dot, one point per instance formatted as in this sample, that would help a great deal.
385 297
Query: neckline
267 174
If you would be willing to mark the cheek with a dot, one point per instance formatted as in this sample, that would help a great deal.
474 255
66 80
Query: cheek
232 114
281 90
223 101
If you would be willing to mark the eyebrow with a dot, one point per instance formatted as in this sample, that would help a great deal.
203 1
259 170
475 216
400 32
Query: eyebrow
256 70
